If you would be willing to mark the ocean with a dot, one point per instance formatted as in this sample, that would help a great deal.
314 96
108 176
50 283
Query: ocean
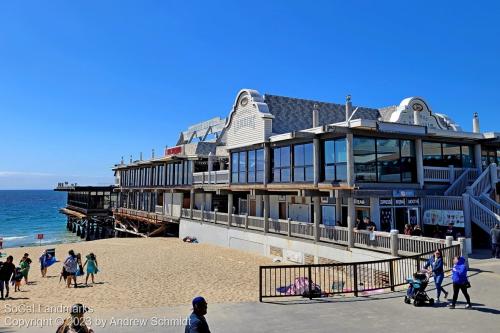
26 213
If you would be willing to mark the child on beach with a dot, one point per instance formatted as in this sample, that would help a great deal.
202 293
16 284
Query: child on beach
92 269
18 277
25 266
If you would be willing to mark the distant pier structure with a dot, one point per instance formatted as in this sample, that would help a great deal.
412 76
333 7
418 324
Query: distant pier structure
89 210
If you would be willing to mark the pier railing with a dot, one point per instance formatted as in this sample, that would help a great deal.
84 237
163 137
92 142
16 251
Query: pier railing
211 177
359 278
441 174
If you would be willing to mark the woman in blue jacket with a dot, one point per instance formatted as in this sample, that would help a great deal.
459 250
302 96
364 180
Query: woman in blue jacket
460 281
435 263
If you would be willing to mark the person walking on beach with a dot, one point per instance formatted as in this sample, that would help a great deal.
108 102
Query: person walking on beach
460 281
495 241
44 262
70 268
435 263
75 323
25 267
92 269
7 270
197 322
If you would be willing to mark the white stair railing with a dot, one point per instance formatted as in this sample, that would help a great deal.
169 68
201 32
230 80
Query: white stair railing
482 183
490 203
459 185
483 216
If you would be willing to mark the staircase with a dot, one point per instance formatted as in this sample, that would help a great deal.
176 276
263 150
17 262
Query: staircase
476 190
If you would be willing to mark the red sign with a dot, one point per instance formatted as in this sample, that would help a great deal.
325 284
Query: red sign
39 236
173 151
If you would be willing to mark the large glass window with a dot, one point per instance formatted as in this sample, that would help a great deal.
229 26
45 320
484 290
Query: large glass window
384 160
436 154
303 169
247 166
281 164
335 157
365 159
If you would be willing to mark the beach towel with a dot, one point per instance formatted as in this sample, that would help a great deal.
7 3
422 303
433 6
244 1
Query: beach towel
299 287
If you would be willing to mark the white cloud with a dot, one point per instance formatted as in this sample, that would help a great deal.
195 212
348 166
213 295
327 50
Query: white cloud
24 174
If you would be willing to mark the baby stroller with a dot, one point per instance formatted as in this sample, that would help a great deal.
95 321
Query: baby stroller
416 289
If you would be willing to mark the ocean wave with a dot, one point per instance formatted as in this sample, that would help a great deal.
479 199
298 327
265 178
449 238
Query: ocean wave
13 238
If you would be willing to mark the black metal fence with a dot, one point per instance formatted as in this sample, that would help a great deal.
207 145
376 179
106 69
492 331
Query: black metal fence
322 280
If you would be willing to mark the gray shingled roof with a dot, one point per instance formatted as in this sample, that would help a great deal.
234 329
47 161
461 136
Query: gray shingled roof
294 114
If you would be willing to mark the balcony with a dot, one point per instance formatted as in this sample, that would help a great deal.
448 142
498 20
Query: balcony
211 177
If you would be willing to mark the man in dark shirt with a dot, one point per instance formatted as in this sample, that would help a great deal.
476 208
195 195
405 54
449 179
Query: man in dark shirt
370 225
6 271
197 322
360 225
417 231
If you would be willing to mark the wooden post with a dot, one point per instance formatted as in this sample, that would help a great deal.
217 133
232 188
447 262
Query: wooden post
449 241
467 215
452 173
229 209
289 220
246 220
266 213
317 217
493 176
463 250
394 243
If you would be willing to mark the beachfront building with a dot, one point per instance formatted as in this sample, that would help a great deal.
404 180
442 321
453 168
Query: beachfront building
89 210
305 171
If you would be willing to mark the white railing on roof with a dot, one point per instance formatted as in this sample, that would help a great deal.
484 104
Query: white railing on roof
211 177
441 174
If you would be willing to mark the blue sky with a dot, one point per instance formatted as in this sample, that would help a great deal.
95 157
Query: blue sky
83 83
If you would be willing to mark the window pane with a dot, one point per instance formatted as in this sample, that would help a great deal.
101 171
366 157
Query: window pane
276 175
366 172
341 172
408 170
330 172
467 157
308 154
251 176
285 156
389 172
251 160
340 151
364 150
259 177
243 161
260 159
309 174
285 175
298 155
329 152
234 162
298 174
388 160
407 148
432 153
234 177
243 177
451 154
276 157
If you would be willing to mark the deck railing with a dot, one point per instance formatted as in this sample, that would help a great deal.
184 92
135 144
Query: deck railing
459 185
441 174
489 203
443 203
301 229
278 226
381 241
322 280
482 183
333 234
211 177
185 212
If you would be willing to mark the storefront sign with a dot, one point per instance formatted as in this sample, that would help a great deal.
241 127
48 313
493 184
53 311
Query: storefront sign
386 202
413 201
173 151
400 202
444 217
361 202
403 193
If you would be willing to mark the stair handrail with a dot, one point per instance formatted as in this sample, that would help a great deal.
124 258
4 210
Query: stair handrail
482 183
459 185
481 221
489 203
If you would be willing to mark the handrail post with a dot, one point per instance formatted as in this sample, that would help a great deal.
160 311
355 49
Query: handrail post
463 250
289 220
215 215
355 278
310 281
493 176
260 283
394 243
452 173
391 274
449 241
246 221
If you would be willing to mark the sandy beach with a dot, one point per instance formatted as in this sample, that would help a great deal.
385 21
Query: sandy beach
142 273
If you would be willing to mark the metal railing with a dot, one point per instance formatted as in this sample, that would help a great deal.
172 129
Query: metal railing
211 177
322 280
443 203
